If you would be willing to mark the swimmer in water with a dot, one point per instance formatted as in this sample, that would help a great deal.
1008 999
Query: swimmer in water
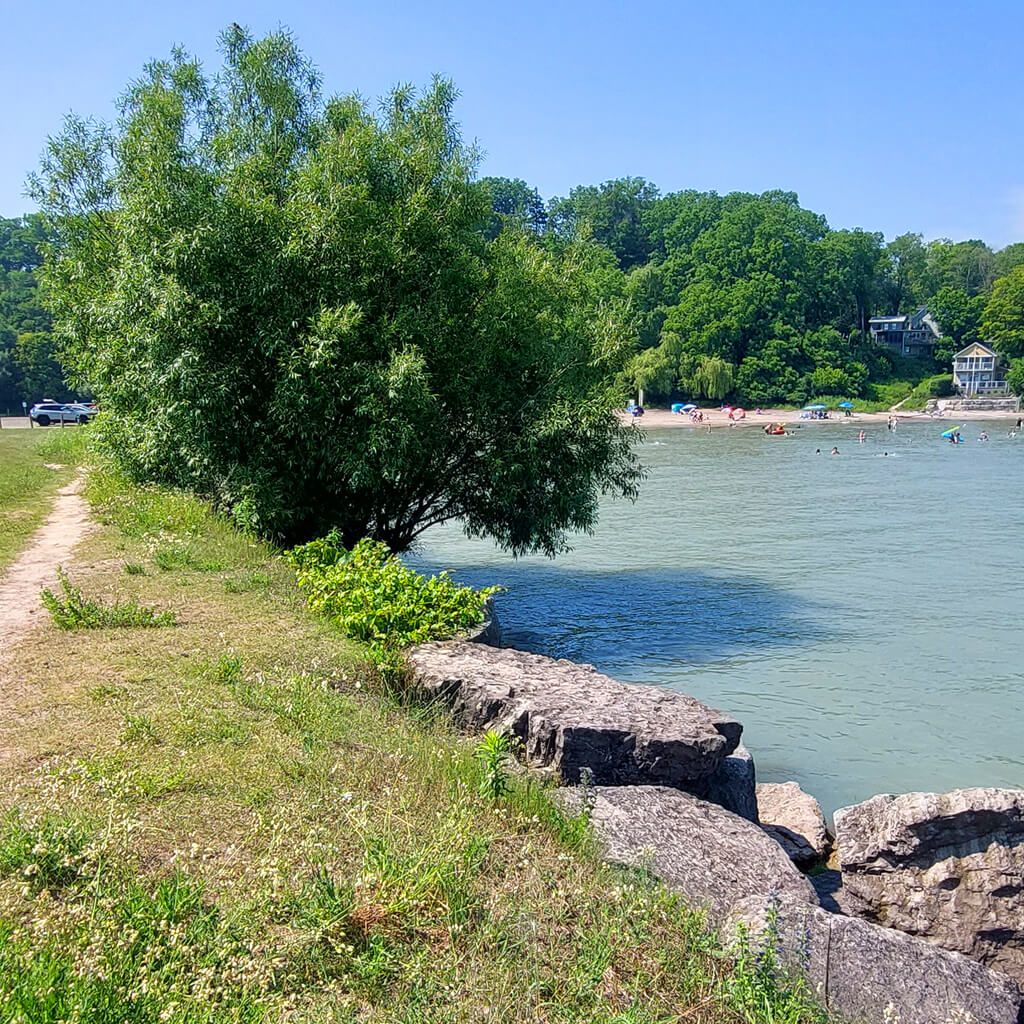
835 451
860 437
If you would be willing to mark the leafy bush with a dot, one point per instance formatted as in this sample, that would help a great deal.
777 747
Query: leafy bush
941 386
73 610
370 594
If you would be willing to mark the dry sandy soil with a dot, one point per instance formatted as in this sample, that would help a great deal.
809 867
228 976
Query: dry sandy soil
36 567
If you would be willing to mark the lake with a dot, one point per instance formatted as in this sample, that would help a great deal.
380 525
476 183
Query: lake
861 614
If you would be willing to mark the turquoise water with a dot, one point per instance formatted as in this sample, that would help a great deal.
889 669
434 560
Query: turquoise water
861 614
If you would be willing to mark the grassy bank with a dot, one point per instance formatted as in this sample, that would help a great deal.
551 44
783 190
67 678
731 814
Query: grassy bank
33 465
227 820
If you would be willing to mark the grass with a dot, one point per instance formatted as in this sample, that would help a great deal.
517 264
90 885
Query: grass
231 821
27 485
71 609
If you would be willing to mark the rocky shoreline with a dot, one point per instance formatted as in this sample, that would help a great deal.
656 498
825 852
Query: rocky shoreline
919 916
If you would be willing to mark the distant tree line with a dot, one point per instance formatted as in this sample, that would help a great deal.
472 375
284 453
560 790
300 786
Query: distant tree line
29 369
741 294
754 296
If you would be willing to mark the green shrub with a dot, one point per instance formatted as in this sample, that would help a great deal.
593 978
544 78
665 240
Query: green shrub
73 610
493 753
371 595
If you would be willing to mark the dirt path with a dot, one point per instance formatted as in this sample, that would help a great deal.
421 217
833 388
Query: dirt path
36 567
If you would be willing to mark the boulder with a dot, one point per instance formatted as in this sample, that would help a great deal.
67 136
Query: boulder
571 717
794 820
733 786
947 867
863 972
709 855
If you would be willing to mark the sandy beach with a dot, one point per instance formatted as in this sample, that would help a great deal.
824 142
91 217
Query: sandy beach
714 417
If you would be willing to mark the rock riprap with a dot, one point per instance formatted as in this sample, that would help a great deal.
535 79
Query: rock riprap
733 786
948 867
794 820
708 854
868 974
570 717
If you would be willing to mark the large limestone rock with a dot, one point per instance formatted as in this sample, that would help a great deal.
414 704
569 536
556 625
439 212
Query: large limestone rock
571 717
733 786
711 856
867 974
794 820
947 867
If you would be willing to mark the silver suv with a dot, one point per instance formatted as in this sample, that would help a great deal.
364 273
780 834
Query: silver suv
44 413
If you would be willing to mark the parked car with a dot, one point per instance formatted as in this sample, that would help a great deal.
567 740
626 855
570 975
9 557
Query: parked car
44 413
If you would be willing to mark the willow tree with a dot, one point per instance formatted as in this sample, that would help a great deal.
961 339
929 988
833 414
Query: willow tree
291 303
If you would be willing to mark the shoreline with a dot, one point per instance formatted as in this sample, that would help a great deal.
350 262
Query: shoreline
715 418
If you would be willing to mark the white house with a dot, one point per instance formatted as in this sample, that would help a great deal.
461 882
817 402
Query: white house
977 371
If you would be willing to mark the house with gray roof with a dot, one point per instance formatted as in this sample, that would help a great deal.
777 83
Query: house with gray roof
911 334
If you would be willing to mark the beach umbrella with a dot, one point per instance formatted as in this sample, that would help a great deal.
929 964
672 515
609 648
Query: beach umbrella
815 407
726 408
678 407
846 405
689 406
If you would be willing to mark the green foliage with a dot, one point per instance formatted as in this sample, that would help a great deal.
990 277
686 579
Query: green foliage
71 609
713 377
613 214
968 267
514 204
891 392
253 580
493 752
959 316
28 369
1003 320
939 386
374 598
147 952
761 987
904 281
1015 377
291 304
47 852
1008 258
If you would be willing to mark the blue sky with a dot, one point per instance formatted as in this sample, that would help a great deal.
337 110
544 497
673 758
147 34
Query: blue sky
892 116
